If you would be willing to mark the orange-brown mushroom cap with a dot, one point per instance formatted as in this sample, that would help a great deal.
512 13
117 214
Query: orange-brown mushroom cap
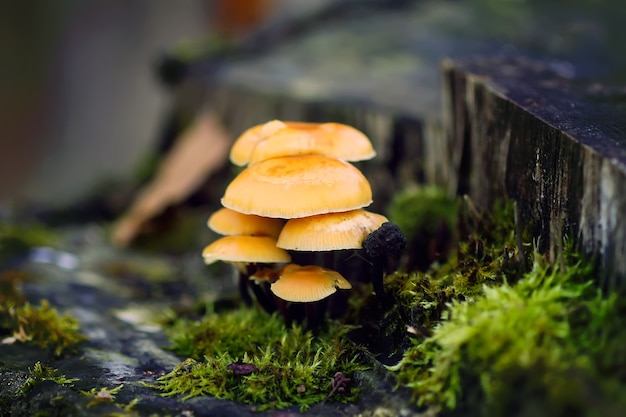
245 249
298 186
332 231
229 222
242 147
330 139
308 283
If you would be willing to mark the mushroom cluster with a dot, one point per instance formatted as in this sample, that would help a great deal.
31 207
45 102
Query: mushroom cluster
297 195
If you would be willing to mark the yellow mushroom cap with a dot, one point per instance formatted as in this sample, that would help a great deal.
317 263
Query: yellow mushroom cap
330 139
245 249
229 222
298 186
309 283
245 143
332 231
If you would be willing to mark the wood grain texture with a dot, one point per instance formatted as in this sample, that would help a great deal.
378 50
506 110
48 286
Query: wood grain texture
553 145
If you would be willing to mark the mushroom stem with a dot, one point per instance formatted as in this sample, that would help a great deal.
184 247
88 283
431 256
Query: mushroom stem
315 312
260 289
302 257
296 313
377 273
263 296
283 307
328 259
243 288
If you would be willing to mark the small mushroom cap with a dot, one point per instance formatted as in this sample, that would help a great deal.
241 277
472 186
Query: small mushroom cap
242 147
245 249
298 186
309 283
332 231
229 222
330 139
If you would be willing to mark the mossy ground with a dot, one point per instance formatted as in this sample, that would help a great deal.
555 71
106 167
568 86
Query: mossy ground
289 357
485 252
496 330
290 366
41 325
40 372
550 344
465 249
482 325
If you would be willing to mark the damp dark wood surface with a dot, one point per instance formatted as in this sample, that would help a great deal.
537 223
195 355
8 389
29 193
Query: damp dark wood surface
556 146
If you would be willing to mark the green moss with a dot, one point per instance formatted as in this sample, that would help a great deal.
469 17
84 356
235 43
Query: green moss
107 396
485 256
292 365
40 325
550 344
497 331
428 218
420 210
40 373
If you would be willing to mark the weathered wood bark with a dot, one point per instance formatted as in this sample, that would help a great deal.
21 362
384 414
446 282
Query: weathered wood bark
520 130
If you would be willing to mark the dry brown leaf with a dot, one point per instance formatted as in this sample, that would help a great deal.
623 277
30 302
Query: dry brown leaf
201 150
